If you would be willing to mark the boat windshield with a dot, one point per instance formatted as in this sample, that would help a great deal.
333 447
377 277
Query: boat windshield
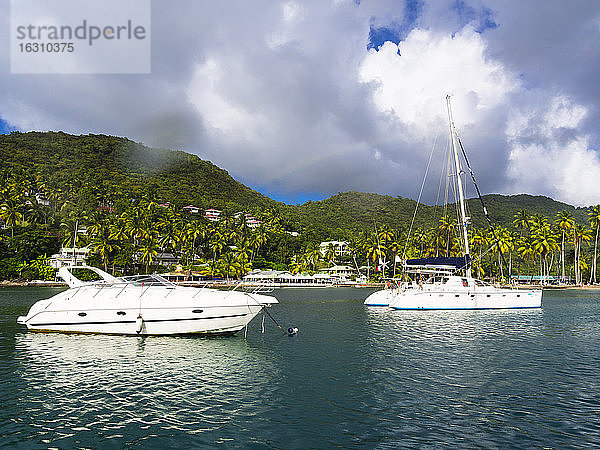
147 280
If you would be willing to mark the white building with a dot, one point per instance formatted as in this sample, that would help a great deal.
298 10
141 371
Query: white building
41 199
341 271
69 256
191 209
212 214
339 247
285 278
252 222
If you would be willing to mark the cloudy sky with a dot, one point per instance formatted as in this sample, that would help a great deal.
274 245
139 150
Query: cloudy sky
301 100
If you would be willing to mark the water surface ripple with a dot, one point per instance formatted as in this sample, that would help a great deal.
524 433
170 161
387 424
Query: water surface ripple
353 378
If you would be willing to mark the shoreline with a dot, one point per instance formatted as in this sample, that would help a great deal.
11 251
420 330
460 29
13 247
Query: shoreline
35 283
40 283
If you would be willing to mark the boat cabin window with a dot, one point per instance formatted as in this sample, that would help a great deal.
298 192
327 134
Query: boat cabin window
147 280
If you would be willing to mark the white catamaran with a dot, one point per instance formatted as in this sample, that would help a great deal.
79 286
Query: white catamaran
436 281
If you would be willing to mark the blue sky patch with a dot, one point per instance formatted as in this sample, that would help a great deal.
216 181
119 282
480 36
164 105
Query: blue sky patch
5 128
481 20
396 32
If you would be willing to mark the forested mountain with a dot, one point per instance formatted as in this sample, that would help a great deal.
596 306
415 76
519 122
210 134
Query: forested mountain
360 211
99 168
125 202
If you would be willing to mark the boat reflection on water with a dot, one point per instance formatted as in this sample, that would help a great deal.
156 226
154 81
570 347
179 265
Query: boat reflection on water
118 389
412 329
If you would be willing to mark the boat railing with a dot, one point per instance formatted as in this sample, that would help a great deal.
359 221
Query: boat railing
430 269
143 281
260 288
264 288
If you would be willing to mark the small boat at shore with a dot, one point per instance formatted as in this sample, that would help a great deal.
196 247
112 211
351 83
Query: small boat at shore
142 305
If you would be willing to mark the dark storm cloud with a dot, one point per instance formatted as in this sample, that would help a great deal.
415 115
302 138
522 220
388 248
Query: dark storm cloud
276 92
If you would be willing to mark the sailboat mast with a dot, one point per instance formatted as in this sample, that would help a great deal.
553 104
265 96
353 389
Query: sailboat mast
461 194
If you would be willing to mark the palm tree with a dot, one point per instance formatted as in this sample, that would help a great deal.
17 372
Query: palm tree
564 222
581 235
169 238
444 232
134 220
71 229
478 240
526 250
228 261
148 250
313 255
421 239
217 244
521 221
544 243
394 246
385 234
195 230
595 224
118 230
102 244
375 251
10 212
242 266
330 253
503 247
296 265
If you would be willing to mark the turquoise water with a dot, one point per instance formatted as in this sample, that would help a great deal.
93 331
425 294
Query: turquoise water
351 378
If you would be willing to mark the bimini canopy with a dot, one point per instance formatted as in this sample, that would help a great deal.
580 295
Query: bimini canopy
458 262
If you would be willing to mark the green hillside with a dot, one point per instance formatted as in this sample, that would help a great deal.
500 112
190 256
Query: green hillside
359 211
91 169
502 208
98 167
128 199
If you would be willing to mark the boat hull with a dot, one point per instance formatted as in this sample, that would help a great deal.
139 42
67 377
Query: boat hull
155 311
381 298
500 299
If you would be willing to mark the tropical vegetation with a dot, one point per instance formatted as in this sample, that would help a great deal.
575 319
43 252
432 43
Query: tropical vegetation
125 202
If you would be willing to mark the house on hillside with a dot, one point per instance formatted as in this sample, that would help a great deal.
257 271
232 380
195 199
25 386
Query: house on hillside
212 214
69 256
191 209
340 248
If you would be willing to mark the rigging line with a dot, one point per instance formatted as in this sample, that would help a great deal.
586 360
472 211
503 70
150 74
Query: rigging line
265 310
449 170
437 200
455 188
455 181
273 319
419 198
489 221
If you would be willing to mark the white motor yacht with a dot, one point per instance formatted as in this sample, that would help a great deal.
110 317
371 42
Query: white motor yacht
142 305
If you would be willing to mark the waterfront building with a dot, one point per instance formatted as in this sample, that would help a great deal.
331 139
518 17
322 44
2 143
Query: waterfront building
69 256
